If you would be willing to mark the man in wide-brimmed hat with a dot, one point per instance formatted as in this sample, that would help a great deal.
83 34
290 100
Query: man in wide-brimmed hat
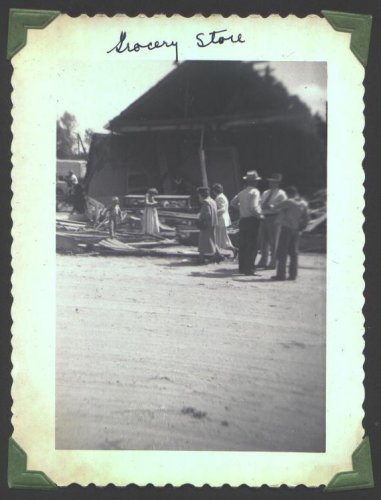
270 226
250 213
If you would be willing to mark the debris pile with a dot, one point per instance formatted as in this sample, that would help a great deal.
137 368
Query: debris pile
90 232
314 237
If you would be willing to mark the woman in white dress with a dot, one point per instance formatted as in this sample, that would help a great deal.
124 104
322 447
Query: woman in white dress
223 220
150 222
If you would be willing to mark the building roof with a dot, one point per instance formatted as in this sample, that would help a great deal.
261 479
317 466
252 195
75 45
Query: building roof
222 93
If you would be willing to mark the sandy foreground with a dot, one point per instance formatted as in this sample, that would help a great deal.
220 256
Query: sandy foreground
157 353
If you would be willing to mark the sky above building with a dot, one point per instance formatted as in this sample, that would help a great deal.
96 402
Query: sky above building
95 95
307 80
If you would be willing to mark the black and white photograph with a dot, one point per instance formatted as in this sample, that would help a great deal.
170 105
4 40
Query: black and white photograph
191 221
188 252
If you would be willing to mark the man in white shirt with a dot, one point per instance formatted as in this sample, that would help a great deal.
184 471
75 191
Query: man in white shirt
250 213
270 225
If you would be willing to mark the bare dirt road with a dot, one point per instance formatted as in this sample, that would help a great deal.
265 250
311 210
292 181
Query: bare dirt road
155 353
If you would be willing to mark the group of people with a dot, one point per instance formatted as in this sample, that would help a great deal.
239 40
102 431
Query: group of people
150 220
270 222
214 219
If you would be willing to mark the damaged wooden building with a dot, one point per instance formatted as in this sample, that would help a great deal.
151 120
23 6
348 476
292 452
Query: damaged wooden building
207 122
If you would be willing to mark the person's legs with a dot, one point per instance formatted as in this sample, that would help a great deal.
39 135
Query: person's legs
223 241
218 257
206 246
282 253
251 247
112 227
273 232
242 239
293 253
263 243
259 244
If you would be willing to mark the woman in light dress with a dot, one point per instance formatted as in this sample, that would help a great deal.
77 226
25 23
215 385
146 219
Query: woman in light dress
223 220
207 223
150 222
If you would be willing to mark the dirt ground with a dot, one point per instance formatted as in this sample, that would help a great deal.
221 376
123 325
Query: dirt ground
157 353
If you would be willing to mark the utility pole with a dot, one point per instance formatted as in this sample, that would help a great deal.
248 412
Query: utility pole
81 143
201 151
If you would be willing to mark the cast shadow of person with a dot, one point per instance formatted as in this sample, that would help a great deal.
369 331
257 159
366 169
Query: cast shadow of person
231 273
221 272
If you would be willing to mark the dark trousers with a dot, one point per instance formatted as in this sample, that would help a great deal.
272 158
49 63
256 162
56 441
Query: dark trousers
288 247
248 234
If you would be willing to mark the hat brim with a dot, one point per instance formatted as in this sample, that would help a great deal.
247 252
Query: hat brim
274 180
252 178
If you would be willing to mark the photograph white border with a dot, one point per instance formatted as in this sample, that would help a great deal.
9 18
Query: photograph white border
35 85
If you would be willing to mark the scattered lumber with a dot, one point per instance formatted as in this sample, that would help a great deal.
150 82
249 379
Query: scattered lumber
117 247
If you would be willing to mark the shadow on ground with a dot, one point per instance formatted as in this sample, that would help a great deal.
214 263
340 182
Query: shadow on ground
183 263
189 262
221 272
232 273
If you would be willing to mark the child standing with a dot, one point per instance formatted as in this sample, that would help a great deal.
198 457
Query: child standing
293 219
150 222
115 215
